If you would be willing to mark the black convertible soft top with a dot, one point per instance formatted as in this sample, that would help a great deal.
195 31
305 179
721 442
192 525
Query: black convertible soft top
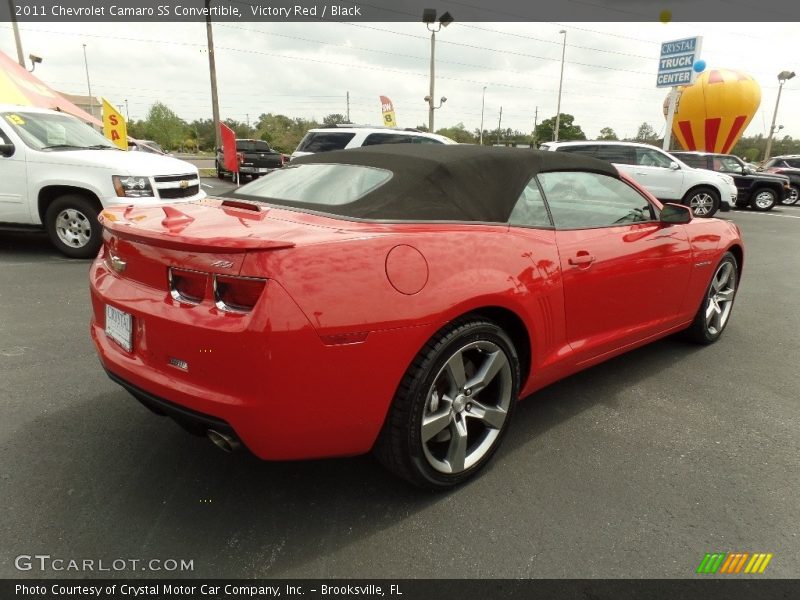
433 182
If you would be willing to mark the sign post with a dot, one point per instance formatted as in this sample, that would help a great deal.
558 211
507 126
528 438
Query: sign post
676 68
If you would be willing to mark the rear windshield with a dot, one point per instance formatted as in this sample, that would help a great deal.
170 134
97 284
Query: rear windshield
252 146
325 141
315 185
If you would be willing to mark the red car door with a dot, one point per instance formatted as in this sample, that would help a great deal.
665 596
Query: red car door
625 273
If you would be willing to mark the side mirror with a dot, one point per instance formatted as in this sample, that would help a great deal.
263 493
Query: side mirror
674 166
675 214
6 150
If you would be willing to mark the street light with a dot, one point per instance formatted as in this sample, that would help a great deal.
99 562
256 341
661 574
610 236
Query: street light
429 18
483 105
560 83
783 77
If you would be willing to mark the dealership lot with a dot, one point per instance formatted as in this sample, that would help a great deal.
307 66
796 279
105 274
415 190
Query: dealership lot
635 468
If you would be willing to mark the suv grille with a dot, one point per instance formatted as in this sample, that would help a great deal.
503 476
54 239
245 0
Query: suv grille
171 187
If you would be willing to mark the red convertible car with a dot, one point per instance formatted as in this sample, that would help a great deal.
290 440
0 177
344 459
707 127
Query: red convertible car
398 299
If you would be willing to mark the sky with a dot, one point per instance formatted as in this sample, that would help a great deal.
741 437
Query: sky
307 69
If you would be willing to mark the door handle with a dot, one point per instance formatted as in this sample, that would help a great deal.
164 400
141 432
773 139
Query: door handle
582 259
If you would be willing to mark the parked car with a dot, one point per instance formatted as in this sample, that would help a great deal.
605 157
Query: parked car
664 176
343 137
760 191
788 165
345 304
146 146
58 173
256 156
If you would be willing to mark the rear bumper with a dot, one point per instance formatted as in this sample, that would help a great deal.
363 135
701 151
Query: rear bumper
195 422
266 376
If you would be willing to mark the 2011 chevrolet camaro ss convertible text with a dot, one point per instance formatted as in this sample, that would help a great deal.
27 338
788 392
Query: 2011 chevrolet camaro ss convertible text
398 298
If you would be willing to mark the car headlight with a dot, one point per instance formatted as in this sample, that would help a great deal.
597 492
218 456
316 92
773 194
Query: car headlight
131 186
726 178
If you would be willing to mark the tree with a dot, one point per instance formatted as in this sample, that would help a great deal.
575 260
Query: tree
606 133
567 130
164 126
646 134
458 133
334 119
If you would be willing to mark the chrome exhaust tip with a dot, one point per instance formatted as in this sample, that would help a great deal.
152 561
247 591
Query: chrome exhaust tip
223 441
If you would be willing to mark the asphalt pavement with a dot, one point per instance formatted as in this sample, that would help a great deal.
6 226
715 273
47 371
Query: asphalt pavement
635 468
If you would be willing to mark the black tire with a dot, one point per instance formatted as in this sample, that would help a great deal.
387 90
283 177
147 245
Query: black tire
793 196
764 199
479 346
703 200
703 331
220 172
71 222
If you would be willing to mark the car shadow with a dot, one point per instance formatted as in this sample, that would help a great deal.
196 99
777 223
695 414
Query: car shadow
27 244
122 482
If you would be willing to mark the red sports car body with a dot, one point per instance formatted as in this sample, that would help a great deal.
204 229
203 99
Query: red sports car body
312 319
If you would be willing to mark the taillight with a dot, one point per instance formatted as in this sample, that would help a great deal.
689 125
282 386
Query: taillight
188 287
237 294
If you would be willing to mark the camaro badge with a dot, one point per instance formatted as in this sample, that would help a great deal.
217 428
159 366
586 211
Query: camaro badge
117 263
222 264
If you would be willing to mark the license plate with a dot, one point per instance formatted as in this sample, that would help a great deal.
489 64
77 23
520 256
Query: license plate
262 170
119 327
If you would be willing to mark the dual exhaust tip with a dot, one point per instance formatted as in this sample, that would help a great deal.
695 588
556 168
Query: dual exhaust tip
223 441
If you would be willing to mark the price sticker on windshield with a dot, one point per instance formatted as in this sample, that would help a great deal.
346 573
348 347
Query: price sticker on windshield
15 119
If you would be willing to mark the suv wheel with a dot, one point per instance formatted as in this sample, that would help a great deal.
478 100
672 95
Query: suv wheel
220 172
763 199
704 201
793 196
71 222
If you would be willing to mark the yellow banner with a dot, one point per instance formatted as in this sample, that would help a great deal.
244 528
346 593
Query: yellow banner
114 127
388 112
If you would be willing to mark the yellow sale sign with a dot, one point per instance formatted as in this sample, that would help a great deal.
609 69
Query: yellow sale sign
114 127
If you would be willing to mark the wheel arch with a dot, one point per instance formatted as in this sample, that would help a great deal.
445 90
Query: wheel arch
515 328
738 254
50 192
698 186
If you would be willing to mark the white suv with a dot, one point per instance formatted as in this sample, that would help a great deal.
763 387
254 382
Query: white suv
664 176
343 137
58 173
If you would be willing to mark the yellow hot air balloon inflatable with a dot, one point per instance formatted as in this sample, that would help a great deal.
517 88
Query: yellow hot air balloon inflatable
714 111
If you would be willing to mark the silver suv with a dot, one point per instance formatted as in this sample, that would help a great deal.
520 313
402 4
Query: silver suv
342 137
664 176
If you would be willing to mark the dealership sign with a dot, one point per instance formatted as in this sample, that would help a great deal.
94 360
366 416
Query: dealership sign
676 62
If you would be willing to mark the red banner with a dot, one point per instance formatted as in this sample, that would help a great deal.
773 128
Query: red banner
230 159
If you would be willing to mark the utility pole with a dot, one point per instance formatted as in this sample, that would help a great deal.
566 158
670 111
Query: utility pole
13 13
560 84
88 83
498 124
483 105
212 68
127 112
348 106
535 125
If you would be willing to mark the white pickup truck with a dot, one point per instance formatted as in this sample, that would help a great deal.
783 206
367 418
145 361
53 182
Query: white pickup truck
58 173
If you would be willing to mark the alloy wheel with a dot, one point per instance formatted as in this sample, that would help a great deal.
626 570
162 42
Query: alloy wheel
720 298
701 204
73 228
764 200
467 406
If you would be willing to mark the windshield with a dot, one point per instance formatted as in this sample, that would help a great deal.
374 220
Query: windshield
315 185
48 131
252 146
